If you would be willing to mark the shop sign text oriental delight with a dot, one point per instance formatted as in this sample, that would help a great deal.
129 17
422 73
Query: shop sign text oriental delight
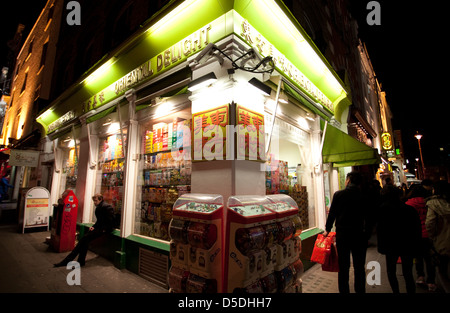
156 65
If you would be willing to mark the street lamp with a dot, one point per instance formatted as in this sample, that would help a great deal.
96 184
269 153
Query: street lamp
418 137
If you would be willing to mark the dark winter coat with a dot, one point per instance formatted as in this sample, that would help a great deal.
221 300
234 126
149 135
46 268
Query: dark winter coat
348 212
399 229
104 213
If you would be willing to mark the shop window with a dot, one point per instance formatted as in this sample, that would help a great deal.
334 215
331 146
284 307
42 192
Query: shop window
24 84
110 175
290 167
44 54
30 49
69 168
164 172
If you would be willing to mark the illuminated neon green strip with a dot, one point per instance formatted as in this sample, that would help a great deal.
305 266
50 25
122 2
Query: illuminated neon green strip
162 46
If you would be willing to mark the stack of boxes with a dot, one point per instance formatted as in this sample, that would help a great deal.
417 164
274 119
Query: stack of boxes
300 196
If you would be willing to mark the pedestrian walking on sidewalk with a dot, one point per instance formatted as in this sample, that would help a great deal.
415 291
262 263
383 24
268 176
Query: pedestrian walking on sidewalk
398 235
104 213
416 199
348 213
437 224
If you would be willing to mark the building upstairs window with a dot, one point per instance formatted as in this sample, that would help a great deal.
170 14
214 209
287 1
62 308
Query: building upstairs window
44 54
24 85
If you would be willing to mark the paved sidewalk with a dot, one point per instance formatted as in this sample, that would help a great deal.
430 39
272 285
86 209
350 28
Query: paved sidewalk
317 281
26 266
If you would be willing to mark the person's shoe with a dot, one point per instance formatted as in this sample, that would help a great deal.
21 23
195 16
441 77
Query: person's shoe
432 287
420 280
61 264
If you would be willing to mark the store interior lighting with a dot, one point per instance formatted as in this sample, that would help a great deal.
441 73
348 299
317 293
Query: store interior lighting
309 117
201 82
283 98
113 127
107 122
164 108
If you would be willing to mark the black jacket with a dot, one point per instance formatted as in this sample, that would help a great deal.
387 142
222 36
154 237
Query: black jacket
398 229
104 213
348 211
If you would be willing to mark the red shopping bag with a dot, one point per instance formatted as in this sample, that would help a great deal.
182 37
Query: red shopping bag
331 263
322 247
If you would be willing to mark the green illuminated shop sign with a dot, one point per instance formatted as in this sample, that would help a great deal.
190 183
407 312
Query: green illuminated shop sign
155 66
187 29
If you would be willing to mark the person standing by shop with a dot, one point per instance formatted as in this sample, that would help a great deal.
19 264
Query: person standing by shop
4 186
399 234
104 213
349 215
416 199
437 224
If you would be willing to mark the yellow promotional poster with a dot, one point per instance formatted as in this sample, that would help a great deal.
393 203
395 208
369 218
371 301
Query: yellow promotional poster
209 133
250 134
36 212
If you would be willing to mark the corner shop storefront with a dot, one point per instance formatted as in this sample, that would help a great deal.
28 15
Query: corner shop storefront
130 129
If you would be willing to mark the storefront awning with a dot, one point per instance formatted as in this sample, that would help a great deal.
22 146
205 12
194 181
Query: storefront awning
344 150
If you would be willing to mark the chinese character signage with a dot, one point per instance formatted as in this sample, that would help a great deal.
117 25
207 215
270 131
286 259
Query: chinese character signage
209 133
250 134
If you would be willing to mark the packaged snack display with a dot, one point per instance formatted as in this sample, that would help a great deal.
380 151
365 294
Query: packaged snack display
196 241
111 167
70 168
166 175
282 179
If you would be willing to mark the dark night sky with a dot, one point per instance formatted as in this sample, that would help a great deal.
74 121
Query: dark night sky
13 13
406 51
